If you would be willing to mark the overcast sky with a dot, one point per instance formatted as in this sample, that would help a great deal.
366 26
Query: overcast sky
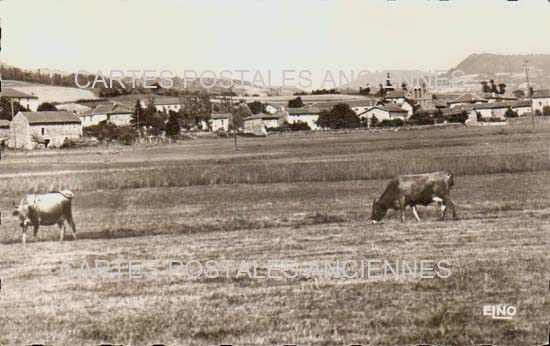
266 34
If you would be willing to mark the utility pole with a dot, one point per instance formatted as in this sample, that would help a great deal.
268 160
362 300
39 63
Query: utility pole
526 66
233 118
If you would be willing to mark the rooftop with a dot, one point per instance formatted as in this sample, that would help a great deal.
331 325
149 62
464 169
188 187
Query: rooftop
55 117
12 93
540 94
303 110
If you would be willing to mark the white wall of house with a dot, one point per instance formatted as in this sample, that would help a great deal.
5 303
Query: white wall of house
221 124
31 104
380 114
170 107
270 122
90 120
309 119
120 119
522 110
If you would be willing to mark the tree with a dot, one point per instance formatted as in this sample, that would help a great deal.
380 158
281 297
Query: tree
404 86
256 107
137 116
546 110
494 88
485 87
295 103
239 112
197 109
5 108
46 107
510 113
364 91
173 126
340 116
374 121
502 88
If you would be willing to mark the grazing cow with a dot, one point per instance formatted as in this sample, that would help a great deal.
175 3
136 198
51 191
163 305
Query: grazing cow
413 190
46 210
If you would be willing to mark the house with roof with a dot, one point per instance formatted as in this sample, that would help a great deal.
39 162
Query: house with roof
306 115
396 96
114 113
220 121
385 112
497 110
28 101
30 129
541 98
466 99
164 104
259 123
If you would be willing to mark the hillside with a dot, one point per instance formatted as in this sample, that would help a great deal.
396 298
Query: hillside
498 63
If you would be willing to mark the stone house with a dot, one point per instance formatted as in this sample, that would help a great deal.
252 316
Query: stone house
28 101
31 129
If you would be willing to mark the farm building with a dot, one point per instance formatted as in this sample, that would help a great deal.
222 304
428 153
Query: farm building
220 121
114 113
165 104
28 101
466 99
49 128
541 98
386 112
259 123
307 115
496 110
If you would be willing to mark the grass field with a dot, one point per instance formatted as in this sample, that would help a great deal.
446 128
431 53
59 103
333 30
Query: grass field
303 198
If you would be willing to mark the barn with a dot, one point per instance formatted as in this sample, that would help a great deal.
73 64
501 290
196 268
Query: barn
114 113
30 129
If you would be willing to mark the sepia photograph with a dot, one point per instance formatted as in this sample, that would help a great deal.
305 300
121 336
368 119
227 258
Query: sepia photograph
274 172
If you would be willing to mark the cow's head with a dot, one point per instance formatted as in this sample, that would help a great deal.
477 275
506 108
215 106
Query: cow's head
378 211
22 211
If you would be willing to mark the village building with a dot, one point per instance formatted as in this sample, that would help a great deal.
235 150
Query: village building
306 115
466 99
165 104
28 101
220 121
396 96
114 113
30 129
541 98
385 112
259 123
497 110
494 97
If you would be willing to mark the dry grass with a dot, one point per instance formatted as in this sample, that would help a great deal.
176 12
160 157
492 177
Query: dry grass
299 201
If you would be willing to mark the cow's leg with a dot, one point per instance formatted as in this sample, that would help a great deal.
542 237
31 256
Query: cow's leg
415 213
402 206
24 234
61 225
35 231
73 227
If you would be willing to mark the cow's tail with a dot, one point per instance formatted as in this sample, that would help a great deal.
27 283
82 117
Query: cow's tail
450 178
67 194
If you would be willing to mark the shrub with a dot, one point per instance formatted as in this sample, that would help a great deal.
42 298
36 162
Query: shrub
510 113
546 110
392 123
421 118
109 132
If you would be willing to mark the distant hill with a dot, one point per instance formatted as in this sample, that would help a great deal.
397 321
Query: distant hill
498 63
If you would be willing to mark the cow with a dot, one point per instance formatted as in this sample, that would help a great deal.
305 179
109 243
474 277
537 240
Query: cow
413 190
46 210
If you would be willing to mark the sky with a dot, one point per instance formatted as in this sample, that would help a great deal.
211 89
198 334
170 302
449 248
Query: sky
274 35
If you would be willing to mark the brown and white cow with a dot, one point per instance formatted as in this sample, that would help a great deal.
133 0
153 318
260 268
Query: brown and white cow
413 190
46 210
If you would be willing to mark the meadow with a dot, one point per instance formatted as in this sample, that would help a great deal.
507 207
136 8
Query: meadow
303 197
